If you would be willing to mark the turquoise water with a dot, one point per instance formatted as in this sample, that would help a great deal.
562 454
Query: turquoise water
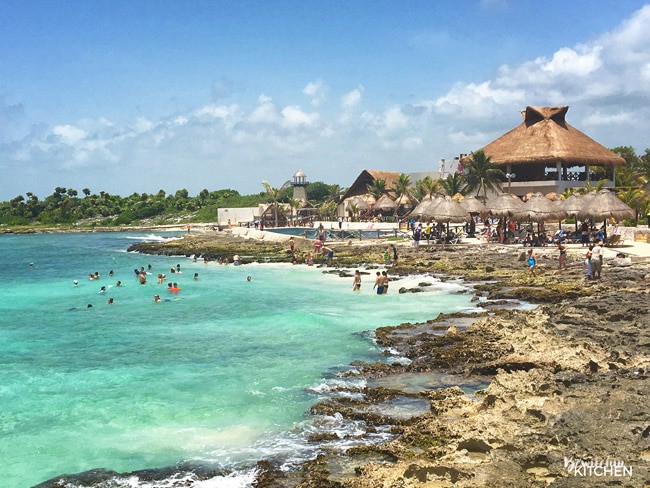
217 374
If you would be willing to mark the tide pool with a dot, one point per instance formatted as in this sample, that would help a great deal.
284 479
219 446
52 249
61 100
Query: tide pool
217 374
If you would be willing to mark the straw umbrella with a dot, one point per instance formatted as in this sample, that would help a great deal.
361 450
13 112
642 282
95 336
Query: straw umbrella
538 208
474 207
385 204
503 206
605 205
448 210
425 208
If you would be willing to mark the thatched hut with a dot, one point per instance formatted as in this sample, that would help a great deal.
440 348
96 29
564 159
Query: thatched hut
547 154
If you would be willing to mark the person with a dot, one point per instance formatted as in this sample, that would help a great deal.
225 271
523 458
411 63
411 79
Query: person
588 266
532 261
110 273
310 259
75 283
249 278
356 284
178 269
384 281
394 254
584 234
488 230
156 298
379 284
416 236
110 301
196 276
174 288
318 245
340 223
386 257
102 289
235 260
330 254
597 260
142 277
561 247
118 283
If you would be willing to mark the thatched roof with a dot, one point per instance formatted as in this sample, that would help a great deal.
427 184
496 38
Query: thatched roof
385 203
538 208
473 205
545 138
504 205
366 177
606 205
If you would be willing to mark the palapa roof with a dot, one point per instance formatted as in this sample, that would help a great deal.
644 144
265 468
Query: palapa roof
384 203
366 177
538 208
544 137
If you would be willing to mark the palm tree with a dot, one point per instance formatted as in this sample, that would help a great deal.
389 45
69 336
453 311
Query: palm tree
377 189
294 204
335 193
454 183
426 187
402 186
353 208
634 197
589 187
481 174
273 195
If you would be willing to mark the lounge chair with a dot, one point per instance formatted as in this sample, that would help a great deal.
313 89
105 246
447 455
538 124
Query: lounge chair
614 240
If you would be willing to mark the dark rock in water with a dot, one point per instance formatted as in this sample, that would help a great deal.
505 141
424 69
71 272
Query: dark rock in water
424 283
410 290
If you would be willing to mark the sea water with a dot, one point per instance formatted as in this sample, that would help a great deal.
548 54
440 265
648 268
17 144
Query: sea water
221 373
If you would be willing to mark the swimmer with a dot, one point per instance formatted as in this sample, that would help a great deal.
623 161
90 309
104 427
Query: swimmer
248 278
156 298
31 264
356 284
110 301
196 276
119 283
110 273
178 268
75 283
90 305
102 289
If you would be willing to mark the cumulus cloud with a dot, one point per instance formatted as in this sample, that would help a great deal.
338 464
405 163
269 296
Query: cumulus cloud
317 91
352 98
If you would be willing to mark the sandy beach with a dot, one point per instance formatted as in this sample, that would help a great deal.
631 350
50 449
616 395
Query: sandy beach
567 381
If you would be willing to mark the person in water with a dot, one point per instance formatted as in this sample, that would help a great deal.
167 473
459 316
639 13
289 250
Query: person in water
384 281
356 284
110 301
196 276
156 298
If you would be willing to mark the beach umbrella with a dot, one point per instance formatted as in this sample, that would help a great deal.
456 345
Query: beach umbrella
605 205
504 205
384 204
538 208
449 210
359 202
425 208
572 205
473 205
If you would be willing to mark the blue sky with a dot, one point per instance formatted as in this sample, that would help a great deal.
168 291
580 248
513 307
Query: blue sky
139 96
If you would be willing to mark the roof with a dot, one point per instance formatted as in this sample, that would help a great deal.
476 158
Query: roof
366 177
299 174
544 137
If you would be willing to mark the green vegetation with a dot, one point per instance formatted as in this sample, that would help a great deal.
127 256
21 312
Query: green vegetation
66 206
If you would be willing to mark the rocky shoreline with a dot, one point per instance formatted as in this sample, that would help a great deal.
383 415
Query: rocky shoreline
557 387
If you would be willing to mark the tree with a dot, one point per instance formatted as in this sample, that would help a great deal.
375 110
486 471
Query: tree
86 192
402 186
377 188
427 187
481 174
454 183
634 197
317 191
335 193
273 195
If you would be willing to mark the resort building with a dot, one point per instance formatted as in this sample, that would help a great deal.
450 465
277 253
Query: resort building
545 154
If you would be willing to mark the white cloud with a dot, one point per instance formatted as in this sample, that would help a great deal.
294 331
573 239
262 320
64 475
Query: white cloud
317 90
352 98
265 112
294 117
68 134
598 118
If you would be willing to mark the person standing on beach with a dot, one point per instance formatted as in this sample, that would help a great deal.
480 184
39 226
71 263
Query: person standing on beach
588 263
532 262
562 261
394 249
597 260
356 284
378 284
417 233
292 247
318 245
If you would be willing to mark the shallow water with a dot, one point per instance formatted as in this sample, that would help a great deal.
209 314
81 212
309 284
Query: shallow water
220 374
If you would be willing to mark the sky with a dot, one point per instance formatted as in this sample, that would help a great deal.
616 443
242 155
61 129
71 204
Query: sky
127 96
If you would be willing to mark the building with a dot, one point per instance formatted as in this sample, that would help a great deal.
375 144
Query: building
545 154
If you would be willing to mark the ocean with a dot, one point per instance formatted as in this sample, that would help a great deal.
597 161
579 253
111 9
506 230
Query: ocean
221 374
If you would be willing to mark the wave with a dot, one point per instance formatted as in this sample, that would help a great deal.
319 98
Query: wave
153 238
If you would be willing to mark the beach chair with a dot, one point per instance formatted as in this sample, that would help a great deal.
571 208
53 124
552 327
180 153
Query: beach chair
614 240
